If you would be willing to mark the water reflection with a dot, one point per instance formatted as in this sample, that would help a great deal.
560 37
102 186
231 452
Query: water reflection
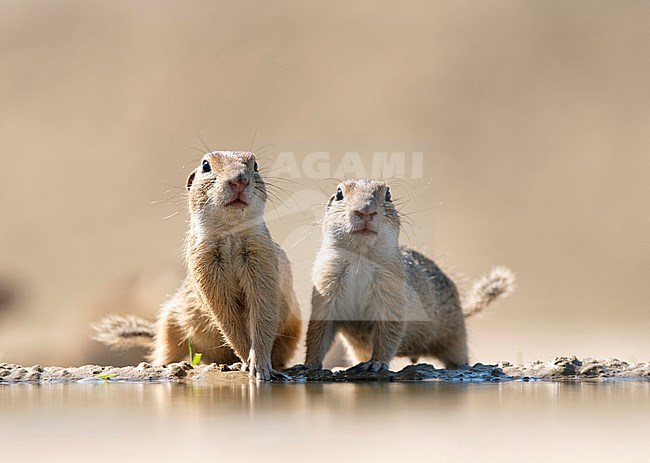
318 422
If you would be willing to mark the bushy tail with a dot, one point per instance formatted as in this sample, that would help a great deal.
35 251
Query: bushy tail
122 332
500 282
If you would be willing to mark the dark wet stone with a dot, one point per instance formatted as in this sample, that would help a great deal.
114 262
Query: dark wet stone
301 373
33 376
568 360
593 370
234 367
419 372
568 370
364 376
179 370
565 366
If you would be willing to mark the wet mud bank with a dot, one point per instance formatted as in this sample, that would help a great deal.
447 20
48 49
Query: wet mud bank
558 369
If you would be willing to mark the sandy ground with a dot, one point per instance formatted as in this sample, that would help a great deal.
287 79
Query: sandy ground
560 368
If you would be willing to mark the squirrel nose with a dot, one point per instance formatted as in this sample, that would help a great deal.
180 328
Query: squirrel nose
366 216
239 184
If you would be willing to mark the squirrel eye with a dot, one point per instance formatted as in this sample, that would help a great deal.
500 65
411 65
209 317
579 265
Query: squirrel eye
388 195
339 195
256 168
205 166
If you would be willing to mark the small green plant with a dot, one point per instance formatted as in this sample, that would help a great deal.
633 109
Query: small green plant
195 357
106 376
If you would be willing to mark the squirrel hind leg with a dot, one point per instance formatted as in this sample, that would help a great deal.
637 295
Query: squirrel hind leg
454 355
170 344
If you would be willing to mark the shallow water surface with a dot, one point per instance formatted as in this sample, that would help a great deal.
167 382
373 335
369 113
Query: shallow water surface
543 421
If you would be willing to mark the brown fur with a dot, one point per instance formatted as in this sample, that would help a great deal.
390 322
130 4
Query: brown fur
385 300
237 301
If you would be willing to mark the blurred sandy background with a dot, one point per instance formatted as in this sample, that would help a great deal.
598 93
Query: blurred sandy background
533 117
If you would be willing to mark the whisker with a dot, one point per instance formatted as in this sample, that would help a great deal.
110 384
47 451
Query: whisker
171 215
264 170
272 197
300 240
193 161
250 148
417 212
275 207
284 179
262 147
279 188
327 195
176 187
259 155
203 141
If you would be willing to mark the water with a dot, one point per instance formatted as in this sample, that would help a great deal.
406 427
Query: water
543 421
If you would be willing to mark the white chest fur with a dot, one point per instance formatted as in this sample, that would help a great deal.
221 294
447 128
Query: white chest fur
359 285
350 282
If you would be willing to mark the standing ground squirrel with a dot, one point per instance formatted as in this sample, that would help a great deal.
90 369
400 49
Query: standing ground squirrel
238 292
384 299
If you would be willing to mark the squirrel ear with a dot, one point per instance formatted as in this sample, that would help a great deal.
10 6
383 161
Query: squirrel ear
190 180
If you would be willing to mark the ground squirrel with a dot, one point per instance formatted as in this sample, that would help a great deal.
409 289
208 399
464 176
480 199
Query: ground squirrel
238 292
385 300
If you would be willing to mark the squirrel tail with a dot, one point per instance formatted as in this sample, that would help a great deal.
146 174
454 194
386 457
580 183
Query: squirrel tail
122 332
498 283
